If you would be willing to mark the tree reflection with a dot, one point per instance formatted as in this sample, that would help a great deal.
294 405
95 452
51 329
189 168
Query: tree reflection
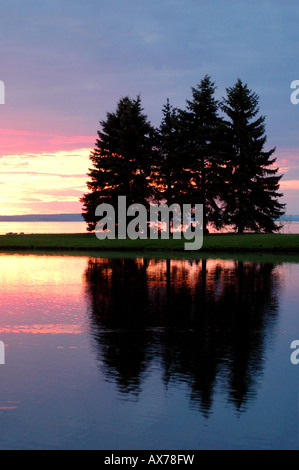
204 322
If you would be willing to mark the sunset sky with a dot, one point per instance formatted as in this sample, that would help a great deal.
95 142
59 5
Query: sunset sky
66 63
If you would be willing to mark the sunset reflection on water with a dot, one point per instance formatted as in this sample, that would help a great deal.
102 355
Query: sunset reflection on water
34 297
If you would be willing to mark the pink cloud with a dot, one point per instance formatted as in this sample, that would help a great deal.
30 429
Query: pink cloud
19 141
289 184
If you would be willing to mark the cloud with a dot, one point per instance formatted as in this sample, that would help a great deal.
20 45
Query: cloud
51 182
35 173
290 184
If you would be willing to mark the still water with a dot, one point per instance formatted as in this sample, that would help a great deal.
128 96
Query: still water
143 353
80 227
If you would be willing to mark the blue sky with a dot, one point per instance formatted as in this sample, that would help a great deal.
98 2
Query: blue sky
66 63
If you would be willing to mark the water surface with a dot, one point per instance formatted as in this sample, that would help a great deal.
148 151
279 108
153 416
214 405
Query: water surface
80 227
136 353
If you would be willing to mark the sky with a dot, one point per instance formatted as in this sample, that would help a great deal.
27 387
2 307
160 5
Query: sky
65 64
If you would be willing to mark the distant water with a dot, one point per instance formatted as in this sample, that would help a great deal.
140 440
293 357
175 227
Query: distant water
292 227
42 227
80 227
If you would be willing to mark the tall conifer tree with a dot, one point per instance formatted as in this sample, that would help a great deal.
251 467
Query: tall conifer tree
169 160
252 190
121 160
201 130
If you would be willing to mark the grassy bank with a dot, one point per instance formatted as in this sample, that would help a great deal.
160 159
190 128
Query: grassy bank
233 243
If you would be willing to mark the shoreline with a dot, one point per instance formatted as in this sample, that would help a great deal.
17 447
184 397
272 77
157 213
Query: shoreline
225 242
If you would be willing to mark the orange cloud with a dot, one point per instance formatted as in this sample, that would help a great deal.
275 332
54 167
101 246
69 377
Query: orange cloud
45 182
289 184
19 141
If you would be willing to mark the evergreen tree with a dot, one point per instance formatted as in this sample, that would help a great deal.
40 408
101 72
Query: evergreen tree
170 177
121 160
201 130
251 195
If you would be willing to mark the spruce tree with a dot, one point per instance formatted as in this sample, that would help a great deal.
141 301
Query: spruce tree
201 130
169 167
170 177
252 190
121 160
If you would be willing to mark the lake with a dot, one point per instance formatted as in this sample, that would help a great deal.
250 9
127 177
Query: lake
80 227
137 353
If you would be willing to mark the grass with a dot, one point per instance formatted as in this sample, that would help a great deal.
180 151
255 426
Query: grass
232 243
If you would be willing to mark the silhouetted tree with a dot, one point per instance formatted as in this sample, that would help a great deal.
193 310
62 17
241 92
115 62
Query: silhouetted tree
251 196
169 167
194 157
121 160
201 128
